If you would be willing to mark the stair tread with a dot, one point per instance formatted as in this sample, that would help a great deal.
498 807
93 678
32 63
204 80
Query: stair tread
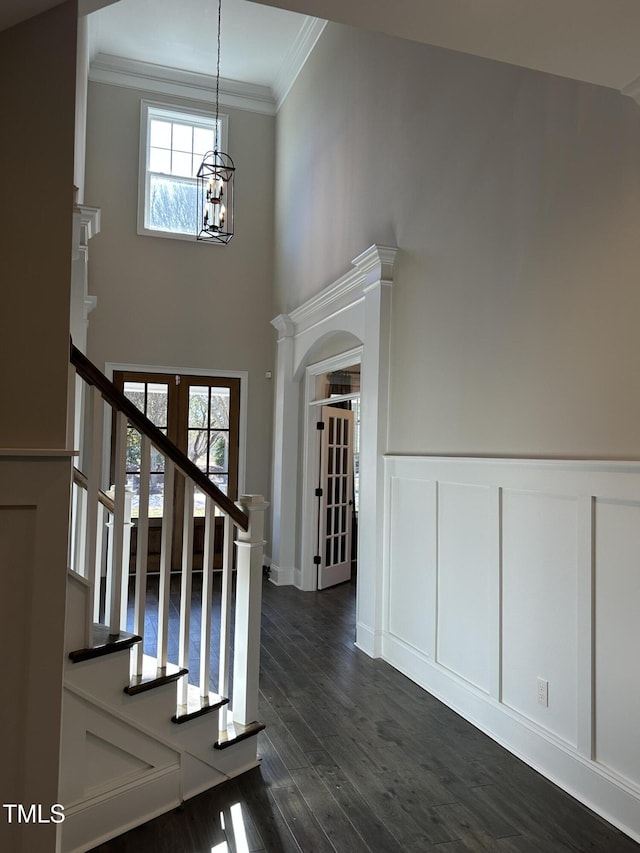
197 705
153 676
104 643
235 732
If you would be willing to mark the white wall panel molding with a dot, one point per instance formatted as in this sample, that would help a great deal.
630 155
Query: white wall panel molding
527 569
463 572
35 492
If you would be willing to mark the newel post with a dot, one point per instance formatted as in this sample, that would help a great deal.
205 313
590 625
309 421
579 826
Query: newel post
246 650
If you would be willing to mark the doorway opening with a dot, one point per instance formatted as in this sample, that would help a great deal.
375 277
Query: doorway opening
201 415
332 472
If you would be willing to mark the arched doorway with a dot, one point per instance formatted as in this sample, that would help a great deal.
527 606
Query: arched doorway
357 305
319 397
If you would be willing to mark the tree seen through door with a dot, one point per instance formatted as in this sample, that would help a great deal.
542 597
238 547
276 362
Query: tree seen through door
201 416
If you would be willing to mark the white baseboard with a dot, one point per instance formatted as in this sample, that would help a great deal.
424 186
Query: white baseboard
93 822
368 640
282 577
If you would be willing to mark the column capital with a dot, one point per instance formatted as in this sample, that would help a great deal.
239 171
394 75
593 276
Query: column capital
284 325
376 264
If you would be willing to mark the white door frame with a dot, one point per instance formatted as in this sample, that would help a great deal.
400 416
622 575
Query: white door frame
310 452
359 303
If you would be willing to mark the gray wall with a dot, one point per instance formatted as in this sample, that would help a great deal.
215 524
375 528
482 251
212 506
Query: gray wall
177 303
514 198
37 92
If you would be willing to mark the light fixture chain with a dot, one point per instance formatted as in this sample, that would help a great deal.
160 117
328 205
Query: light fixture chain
217 147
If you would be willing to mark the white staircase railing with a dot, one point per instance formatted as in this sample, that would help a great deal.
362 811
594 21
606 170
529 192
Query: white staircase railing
105 562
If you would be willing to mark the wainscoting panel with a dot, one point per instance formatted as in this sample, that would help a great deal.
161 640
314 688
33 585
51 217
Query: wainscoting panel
539 608
617 619
412 586
35 491
529 572
464 581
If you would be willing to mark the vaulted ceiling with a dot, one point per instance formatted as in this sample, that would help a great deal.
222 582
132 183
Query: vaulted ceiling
596 41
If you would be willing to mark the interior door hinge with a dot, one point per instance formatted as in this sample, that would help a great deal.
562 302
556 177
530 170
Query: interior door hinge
317 560
319 493
320 425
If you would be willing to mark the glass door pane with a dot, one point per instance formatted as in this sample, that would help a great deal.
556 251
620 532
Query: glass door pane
152 398
208 435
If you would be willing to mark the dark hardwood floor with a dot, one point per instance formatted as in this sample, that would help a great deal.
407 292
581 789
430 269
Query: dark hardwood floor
355 757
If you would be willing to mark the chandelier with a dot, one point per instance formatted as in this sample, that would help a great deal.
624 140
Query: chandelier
215 180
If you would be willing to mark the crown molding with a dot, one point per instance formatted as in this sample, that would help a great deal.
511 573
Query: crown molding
376 263
294 61
373 268
633 90
162 80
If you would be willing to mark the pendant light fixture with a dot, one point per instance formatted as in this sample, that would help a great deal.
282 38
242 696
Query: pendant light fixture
215 180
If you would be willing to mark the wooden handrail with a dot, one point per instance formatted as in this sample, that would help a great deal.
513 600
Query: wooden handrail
90 373
80 479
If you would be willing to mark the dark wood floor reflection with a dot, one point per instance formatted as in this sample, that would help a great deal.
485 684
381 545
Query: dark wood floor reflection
355 757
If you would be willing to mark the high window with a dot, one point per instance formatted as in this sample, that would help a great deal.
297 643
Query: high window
172 144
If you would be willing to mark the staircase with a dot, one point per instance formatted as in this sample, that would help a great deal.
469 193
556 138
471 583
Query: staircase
140 734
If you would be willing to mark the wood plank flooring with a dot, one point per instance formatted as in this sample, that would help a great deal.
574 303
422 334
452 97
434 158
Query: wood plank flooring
357 758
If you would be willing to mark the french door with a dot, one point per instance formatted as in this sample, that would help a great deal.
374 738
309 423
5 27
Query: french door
201 416
335 494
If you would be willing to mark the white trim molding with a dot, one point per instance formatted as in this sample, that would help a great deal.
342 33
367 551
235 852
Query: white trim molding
300 51
358 303
498 573
161 80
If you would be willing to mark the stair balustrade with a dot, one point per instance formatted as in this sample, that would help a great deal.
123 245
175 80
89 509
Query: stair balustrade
100 552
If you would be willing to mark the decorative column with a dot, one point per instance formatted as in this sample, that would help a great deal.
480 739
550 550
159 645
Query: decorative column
86 224
285 457
376 266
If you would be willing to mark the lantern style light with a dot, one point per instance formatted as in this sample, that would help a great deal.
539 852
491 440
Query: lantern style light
215 197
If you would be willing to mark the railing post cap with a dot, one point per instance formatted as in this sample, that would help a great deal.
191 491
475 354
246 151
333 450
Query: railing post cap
251 503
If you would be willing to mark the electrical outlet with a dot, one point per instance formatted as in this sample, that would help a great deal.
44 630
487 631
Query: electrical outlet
543 692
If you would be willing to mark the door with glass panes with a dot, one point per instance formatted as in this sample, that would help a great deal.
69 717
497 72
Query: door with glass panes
201 416
335 509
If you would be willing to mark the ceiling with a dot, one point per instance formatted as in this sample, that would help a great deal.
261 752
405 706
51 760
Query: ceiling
255 39
591 40
596 41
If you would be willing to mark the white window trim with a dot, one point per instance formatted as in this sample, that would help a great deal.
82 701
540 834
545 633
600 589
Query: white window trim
174 112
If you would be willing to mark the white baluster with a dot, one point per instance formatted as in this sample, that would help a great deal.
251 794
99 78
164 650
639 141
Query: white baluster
126 559
185 591
207 589
246 648
225 617
142 549
92 460
79 528
103 524
115 568
164 589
